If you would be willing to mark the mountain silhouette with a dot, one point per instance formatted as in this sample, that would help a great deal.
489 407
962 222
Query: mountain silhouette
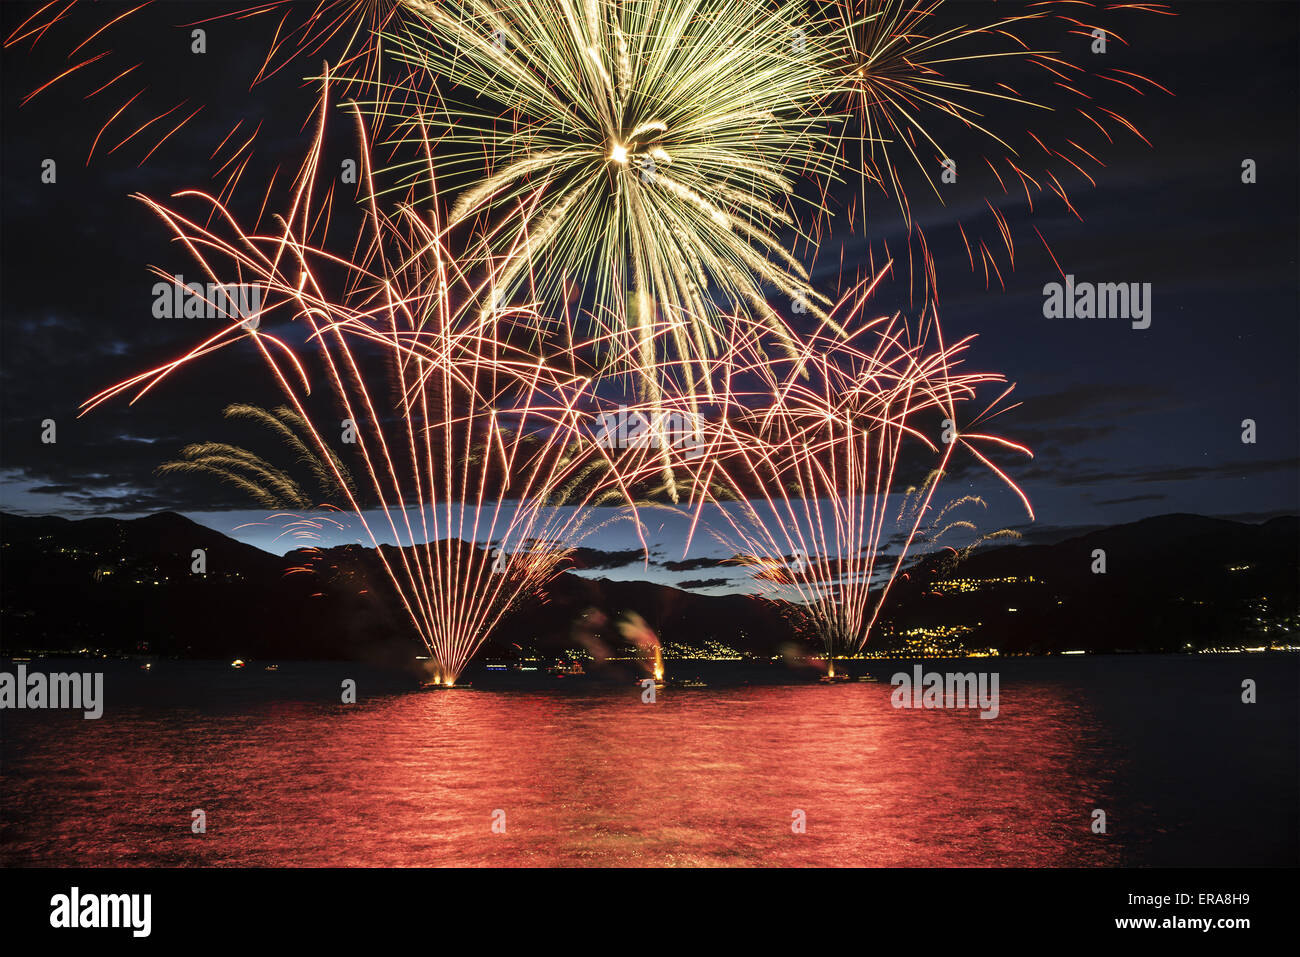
1170 583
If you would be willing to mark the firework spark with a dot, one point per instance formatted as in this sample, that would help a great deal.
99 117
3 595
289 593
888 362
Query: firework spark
268 485
802 464
911 73
478 459
135 99
643 150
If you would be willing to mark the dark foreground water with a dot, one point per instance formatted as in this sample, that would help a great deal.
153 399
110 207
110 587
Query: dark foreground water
586 774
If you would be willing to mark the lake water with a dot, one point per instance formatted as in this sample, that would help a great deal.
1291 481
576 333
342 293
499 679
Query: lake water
586 774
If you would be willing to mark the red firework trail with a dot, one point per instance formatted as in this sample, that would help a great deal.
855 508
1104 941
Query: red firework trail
909 77
480 460
801 459
346 32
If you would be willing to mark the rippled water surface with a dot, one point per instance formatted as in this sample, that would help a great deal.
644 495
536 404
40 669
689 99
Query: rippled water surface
589 775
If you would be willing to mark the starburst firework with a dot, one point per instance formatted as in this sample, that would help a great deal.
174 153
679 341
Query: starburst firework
642 149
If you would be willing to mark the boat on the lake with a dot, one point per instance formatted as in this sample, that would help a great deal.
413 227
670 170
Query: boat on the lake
561 670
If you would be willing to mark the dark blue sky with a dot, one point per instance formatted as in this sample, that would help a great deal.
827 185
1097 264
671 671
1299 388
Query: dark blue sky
1125 423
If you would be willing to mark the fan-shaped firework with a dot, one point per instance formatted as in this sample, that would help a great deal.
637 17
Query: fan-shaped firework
934 536
803 462
268 484
644 150
479 459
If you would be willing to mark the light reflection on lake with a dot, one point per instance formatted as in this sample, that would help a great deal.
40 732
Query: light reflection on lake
589 775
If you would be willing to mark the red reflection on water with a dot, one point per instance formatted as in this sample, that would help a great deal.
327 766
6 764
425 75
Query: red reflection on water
708 777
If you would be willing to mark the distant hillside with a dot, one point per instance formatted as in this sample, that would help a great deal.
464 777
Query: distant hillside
127 586
1169 581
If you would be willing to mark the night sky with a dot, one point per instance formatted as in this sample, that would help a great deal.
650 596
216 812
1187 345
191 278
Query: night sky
1124 423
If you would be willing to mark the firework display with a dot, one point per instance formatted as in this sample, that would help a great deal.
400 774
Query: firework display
268 484
480 459
755 434
644 151
916 80
571 208
128 98
805 453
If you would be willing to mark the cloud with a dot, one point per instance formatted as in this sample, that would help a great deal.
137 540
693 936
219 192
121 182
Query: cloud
1255 518
703 583
1087 401
589 559
1174 473
1131 498
1047 439
694 564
